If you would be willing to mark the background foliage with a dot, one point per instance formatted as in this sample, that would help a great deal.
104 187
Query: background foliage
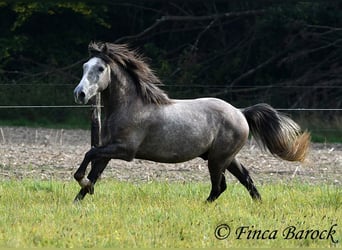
286 53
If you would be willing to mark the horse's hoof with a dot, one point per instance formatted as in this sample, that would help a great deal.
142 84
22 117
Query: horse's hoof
80 196
91 189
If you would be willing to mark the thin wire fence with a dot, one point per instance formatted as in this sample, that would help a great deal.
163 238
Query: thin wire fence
46 101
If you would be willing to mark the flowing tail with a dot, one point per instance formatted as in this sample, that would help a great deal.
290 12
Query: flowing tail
277 133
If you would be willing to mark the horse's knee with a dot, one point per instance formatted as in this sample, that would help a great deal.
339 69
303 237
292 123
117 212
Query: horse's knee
79 176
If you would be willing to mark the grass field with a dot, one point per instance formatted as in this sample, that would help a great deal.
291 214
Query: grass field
120 214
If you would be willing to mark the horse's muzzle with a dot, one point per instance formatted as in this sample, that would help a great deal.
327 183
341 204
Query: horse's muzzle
80 96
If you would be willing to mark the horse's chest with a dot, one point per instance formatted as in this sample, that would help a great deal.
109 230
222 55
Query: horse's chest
114 131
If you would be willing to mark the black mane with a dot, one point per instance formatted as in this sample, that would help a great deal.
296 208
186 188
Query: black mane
143 76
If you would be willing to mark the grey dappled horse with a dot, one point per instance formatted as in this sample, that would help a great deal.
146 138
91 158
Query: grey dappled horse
141 121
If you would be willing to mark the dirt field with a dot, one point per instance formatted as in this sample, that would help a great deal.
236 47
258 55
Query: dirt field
56 154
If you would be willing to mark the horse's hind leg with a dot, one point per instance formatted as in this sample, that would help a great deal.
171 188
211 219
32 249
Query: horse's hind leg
218 181
242 174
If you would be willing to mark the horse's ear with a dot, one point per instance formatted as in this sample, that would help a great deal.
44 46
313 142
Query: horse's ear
94 48
105 49
91 46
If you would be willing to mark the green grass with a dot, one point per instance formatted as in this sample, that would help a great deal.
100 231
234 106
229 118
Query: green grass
120 214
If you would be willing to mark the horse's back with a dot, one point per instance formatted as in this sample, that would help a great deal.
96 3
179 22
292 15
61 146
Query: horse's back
229 117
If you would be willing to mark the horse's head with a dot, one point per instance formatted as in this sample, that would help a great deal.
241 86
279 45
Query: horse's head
96 77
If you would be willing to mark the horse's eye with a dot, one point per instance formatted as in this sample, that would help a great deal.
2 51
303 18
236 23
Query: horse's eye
101 69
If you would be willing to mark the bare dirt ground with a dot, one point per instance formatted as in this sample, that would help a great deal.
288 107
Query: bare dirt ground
56 154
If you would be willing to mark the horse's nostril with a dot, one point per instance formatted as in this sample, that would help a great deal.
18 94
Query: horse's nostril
80 97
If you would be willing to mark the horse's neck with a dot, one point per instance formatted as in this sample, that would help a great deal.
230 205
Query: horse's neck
119 96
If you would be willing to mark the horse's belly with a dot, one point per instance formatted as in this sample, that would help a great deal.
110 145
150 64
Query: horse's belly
170 157
173 149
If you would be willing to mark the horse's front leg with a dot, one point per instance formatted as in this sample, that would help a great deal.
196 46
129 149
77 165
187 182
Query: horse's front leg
100 156
97 168
87 184
80 172
84 182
